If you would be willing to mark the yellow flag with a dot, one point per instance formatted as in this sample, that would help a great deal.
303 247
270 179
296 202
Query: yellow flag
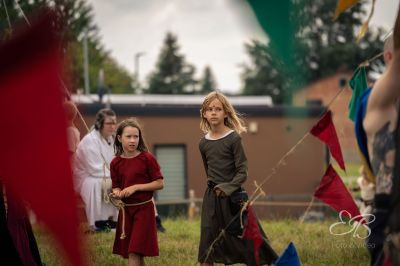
343 5
364 27
362 31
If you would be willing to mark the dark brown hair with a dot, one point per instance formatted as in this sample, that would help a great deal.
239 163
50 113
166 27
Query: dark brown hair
130 122
101 116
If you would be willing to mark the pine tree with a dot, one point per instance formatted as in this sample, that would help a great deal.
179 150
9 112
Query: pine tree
172 75
208 83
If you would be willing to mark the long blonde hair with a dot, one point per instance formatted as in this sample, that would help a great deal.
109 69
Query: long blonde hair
233 120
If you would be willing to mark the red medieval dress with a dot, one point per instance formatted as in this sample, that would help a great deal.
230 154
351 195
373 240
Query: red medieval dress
140 225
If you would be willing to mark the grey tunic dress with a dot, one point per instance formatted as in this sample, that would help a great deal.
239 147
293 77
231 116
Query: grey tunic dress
226 167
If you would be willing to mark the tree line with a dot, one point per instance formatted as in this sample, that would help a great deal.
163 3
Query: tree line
325 47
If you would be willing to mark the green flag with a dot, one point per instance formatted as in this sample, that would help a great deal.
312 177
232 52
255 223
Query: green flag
280 20
274 18
358 84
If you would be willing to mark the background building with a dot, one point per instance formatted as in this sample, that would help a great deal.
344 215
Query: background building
171 127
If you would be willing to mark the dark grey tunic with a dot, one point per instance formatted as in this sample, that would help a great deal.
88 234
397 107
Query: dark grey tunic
226 165
225 161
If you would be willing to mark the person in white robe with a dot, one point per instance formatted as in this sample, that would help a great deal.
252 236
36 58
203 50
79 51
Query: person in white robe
92 169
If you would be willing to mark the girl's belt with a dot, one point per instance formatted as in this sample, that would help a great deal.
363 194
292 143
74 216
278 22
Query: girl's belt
211 184
121 205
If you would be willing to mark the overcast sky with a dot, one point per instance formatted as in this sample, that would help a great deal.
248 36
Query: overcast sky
210 32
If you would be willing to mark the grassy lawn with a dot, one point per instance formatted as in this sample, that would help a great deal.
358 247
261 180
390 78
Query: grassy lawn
352 170
178 246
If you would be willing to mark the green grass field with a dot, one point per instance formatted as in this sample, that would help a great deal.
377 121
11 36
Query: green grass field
178 246
352 170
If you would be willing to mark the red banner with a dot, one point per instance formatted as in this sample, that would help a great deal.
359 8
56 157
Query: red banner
326 132
252 232
333 192
34 161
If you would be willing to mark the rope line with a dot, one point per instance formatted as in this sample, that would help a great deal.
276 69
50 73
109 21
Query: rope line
307 210
22 12
121 206
8 17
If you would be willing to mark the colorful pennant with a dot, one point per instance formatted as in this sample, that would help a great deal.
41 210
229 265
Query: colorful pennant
343 5
326 132
364 27
281 21
333 192
358 84
289 257
252 232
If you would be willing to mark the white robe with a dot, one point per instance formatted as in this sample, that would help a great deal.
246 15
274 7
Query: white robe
89 173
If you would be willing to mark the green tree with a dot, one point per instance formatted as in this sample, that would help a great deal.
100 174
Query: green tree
323 48
120 81
261 77
208 82
76 16
172 75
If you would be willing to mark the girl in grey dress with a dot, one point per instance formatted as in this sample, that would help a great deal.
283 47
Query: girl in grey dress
225 164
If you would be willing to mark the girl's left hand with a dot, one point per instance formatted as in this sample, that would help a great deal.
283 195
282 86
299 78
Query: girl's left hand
219 192
126 192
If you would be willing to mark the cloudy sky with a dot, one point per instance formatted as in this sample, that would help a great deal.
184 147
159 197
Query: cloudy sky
210 32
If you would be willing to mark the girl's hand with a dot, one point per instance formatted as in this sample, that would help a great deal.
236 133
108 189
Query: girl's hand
219 192
116 194
126 192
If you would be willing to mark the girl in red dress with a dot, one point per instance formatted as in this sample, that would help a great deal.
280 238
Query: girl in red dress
135 174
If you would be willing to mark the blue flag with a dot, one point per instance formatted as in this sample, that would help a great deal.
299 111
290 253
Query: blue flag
289 257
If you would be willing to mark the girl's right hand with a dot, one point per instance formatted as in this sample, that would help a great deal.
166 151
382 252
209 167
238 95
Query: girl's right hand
219 192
